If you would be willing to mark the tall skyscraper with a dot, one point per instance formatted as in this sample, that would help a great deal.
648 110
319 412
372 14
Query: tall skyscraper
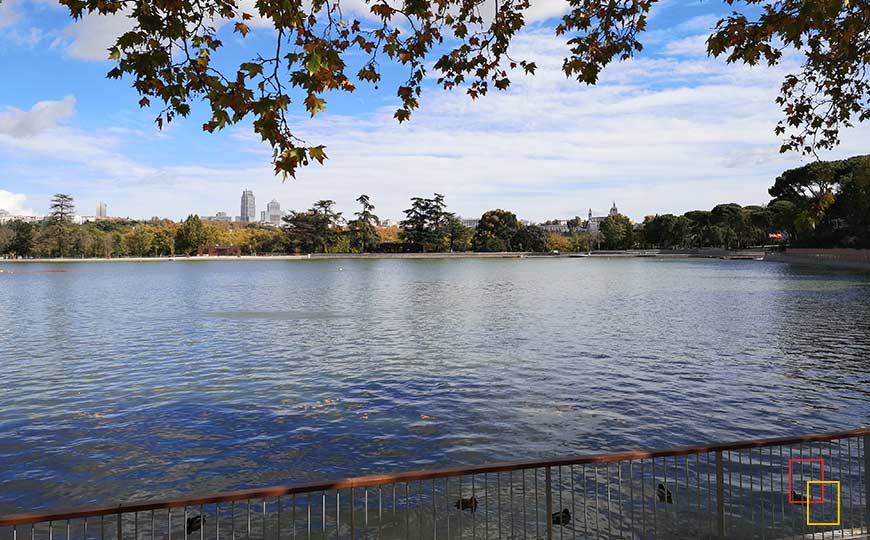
273 212
101 209
249 207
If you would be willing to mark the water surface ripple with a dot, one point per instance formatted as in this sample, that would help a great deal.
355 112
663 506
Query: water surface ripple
127 380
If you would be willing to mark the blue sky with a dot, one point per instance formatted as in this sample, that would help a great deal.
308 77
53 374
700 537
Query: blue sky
669 131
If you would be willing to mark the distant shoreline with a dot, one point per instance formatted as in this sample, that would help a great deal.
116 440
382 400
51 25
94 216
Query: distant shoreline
376 256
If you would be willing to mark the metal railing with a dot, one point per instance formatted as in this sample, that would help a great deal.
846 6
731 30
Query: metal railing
747 489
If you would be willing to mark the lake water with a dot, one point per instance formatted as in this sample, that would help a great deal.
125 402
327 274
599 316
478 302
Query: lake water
141 380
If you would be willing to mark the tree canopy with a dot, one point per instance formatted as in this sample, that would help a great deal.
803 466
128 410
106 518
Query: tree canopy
172 56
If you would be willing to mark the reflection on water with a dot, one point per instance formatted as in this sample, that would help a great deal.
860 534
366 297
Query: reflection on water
138 380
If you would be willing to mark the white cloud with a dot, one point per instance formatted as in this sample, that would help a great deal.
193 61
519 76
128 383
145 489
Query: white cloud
44 115
14 203
9 13
688 46
92 36
665 133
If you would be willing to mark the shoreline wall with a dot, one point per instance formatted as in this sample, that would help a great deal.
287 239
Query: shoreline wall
835 257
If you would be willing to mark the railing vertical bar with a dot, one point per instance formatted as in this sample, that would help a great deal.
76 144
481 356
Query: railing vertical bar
667 516
720 495
761 491
849 474
549 498
498 500
708 506
671 508
619 505
631 520
561 525
740 493
309 516
573 507
597 509
337 513
525 523
642 499
839 474
773 528
511 505
537 507
420 508
407 510
609 509
153 535
791 521
687 508
202 524
473 512
655 499
459 500
585 504
434 512
698 488
751 496
801 483
447 503
486 508
782 487
247 518
866 442
323 514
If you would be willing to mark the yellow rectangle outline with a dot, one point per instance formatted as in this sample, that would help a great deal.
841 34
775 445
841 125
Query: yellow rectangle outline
822 482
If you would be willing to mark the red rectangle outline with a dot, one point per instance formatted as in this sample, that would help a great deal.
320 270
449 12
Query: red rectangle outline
821 461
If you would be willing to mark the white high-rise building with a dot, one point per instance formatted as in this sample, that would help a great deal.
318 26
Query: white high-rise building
273 212
249 206
102 210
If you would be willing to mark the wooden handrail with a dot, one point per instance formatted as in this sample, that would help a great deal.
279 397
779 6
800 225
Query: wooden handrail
382 479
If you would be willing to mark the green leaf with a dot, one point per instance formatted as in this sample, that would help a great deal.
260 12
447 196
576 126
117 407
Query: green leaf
312 63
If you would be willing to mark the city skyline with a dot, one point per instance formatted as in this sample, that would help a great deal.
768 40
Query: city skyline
273 208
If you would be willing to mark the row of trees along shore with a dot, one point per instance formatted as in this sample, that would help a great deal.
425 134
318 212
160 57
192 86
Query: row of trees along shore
823 204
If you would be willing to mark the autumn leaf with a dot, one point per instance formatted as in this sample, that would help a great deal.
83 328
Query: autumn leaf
315 104
317 153
242 28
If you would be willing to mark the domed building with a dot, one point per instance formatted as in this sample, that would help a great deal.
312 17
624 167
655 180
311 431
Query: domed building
595 221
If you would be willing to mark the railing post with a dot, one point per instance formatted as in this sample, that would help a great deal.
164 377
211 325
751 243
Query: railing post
548 484
867 483
720 495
